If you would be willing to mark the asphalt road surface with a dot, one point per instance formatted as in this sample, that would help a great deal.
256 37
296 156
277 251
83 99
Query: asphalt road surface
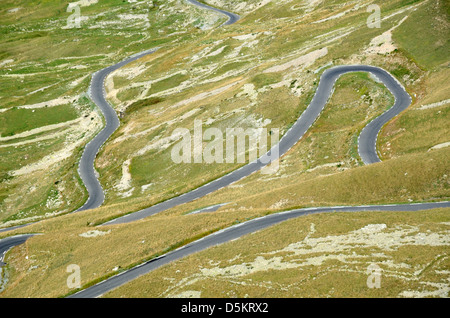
6 229
232 17
366 148
97 93
86 168
366 141
230 234
10 242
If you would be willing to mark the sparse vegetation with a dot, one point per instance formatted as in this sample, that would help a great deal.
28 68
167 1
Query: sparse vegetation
324 255
219 75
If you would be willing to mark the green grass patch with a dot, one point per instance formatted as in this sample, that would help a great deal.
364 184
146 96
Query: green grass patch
18 120
426 42
264 79
143 103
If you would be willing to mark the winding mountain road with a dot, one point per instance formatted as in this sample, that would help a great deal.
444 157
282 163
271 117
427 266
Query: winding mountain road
366 141
97 93
86 168
366 148
232 233
367 151
232 17
10 242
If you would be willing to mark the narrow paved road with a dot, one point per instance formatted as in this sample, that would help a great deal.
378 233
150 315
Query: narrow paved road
6 229
10 242
366 141
86 168
97 93
366 148
230 234
232 17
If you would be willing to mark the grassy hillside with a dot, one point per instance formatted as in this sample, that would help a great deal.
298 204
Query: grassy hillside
232 70
45 69
326 256
260 72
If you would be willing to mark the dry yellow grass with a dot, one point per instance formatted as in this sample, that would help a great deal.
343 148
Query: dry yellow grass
48 255
132 243
412 174
324 255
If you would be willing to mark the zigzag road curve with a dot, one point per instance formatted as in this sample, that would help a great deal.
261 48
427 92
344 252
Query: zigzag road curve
366 148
